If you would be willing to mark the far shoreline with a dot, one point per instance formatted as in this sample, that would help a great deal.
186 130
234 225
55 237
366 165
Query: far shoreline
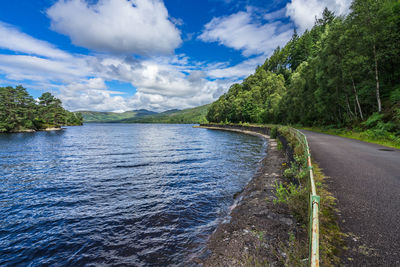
50 129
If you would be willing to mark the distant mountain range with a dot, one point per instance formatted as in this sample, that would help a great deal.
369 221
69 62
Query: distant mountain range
192 115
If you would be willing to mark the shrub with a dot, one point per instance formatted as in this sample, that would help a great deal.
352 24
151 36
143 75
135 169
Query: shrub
295 197
280 145
373 120
273 132
281 193
395 96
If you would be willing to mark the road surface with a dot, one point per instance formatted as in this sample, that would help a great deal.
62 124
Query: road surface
365 179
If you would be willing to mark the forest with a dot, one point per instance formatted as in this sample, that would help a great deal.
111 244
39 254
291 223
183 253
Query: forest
343 73
19 111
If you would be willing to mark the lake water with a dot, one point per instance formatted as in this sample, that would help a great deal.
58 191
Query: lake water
118 194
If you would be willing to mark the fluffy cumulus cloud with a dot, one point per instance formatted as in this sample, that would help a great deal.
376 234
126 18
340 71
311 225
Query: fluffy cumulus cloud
91 94
241 32
303 12
161 82
245 31
117 26
156 89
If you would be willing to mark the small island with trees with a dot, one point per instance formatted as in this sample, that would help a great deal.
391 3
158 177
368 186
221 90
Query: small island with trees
20 112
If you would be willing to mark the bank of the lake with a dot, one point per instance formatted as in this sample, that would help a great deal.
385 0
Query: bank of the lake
259 231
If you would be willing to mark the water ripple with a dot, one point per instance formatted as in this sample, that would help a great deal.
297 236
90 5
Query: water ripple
118 194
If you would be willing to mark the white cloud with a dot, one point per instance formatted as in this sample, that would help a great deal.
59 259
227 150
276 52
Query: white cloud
91 94
117 26
240 70
275 15
162 82
240 32
303 12
23 67
12 39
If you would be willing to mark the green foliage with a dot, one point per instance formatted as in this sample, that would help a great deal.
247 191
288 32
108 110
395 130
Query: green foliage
19 111
297 170
73 118
378 128
395 96
373 120
295 197
281 193
279 145
274 132
254 101
333 75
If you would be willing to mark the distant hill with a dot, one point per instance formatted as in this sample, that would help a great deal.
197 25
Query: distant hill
191 115
170 111
94 116
143 112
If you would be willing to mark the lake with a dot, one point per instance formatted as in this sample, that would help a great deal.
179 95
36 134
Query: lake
118 194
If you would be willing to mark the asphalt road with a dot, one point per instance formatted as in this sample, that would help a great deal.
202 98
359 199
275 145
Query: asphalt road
365 179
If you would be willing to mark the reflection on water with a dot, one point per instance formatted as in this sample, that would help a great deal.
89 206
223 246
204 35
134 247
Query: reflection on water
107 194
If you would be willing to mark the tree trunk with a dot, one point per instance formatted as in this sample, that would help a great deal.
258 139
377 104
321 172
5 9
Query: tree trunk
378 98
338 105
355 107
358 102
348 107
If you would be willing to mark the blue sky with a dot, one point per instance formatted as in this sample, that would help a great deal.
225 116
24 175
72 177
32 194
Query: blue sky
119 55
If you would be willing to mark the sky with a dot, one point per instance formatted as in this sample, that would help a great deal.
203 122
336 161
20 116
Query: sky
120 55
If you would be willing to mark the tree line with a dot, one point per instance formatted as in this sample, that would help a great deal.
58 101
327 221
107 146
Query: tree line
19 111
344 72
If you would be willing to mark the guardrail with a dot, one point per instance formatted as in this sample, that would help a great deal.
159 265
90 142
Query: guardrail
314 204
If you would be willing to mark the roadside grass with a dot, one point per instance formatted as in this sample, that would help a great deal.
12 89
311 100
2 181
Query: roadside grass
369 136
294 192
331 238
294 252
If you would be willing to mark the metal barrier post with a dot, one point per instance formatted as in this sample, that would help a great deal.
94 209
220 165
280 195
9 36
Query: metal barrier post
313 258
314 222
